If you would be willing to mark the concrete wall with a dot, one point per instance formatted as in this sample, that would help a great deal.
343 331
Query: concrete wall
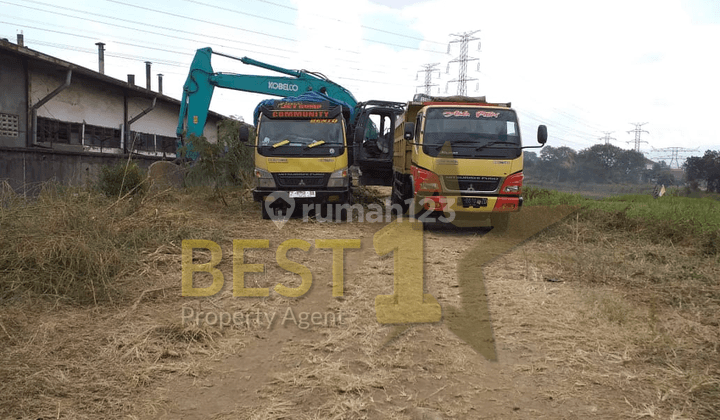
26 169
163 119
84 100
103 105
13 98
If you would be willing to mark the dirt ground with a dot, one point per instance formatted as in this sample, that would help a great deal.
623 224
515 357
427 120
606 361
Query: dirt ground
556 348
548 362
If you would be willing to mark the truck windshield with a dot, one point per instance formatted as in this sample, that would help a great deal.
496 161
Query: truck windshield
300 137
471 131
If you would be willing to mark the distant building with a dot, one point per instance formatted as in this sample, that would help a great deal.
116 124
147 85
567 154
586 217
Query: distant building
61 121
649 164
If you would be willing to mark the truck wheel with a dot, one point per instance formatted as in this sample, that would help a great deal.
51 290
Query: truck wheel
340 214
398 199
263 211
420 214
324 212
500 222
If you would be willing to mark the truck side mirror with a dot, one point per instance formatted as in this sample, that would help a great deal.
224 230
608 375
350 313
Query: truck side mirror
409 131
542 134
244 134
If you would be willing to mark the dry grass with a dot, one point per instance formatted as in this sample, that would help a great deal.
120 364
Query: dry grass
627 327
649 310
85 363
80 278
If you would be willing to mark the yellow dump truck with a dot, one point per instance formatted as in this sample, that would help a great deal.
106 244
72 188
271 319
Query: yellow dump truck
459 159
301 153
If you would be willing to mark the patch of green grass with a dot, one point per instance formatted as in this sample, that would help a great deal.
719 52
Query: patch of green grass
671 219
697 214
544 197
700 214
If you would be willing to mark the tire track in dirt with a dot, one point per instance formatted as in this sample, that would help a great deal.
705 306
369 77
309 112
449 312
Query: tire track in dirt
368 370
232 382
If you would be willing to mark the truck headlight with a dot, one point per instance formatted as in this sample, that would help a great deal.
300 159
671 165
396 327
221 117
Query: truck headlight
264 178
339 179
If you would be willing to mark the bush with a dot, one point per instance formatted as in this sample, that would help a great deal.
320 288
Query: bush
222 163
226 163
122 179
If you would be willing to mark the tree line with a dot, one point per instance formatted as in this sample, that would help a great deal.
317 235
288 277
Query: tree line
704 171
601 164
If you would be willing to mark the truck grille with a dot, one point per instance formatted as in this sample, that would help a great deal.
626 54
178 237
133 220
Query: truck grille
301 180
471 184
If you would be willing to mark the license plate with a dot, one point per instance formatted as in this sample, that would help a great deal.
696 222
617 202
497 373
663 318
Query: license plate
302 194
474 202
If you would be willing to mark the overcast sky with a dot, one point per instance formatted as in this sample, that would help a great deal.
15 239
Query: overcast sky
582 68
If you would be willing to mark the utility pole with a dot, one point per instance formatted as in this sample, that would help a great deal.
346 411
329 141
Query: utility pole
607 137
428 69
674 154
464 39
637 132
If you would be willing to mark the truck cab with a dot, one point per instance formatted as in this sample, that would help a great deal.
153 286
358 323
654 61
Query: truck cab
301 157
459 158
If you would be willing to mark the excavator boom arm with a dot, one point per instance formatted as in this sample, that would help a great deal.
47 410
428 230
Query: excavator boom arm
202 80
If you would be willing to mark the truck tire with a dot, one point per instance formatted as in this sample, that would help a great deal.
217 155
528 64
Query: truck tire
343 213
398 198
500 222
263 211
329 212
419 213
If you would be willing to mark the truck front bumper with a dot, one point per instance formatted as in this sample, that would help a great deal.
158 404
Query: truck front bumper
299 198
469 204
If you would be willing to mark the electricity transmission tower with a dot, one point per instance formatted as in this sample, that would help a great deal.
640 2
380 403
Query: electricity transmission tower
674 153
607 137
464 39
428 69
637 132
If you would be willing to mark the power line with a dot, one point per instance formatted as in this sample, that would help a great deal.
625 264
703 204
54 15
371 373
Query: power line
607 137
428 69
196 19
637 132
155 60
153 33
577 120
176 30
116 55
169 63
128 21
362 26
215 6
464 40
95 38
567 141
556 125
261 33
569 130
674 151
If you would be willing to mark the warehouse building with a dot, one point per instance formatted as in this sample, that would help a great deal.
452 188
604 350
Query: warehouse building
63 122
